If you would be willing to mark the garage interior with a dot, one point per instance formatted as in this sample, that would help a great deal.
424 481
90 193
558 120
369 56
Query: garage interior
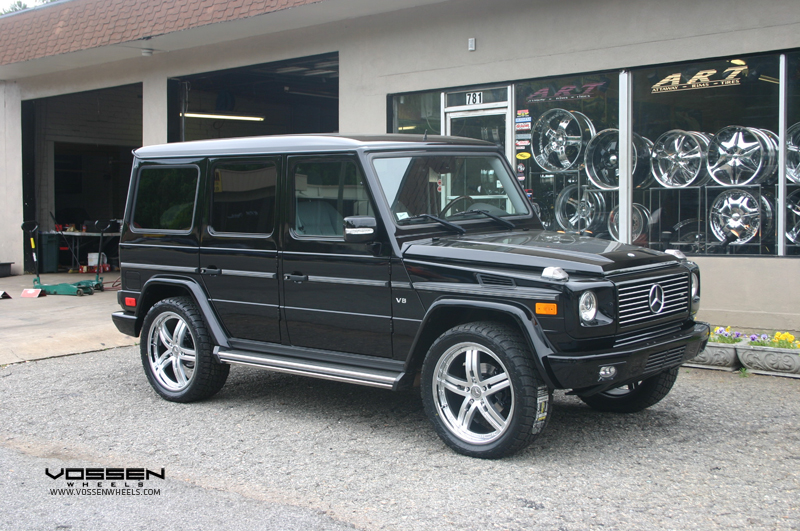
77 156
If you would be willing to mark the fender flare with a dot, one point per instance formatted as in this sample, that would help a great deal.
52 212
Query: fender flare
200 298
530 327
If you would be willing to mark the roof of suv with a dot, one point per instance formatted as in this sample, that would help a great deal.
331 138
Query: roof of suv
301 143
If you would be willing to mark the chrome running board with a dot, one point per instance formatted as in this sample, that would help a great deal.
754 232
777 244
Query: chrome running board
313 368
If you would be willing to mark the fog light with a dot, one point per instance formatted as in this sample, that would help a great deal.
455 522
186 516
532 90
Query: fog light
609 371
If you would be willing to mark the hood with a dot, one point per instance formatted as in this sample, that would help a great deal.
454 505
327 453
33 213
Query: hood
537 250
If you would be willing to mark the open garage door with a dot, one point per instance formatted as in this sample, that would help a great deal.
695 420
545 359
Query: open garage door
294 96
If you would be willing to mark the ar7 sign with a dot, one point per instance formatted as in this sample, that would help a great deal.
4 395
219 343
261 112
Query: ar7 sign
702 79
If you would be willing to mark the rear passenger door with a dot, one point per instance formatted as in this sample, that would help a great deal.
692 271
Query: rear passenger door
238 253
336 294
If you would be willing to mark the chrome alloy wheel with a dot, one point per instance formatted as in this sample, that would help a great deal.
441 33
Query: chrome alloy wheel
473 393
793 217
577 209
602 160
559 138
739 211
171 351
793 153
679 159
739 155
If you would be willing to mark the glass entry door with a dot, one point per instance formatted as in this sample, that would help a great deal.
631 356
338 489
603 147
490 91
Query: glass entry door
484 114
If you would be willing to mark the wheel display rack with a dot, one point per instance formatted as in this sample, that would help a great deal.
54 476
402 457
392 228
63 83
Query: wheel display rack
697 191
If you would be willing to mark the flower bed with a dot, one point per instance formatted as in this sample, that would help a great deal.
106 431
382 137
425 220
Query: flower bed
761 354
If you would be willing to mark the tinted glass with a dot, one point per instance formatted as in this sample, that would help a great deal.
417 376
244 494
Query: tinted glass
447 186
244 197
165 198
326 192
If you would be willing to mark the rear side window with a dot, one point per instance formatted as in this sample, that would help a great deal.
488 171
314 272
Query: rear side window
244 197
165 198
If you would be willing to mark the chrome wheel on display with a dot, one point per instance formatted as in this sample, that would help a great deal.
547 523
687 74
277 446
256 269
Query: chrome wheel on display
771 142
171 351
579 209
793 153
679 159
640 219
793 217
739 155
558 139
738 211
602 160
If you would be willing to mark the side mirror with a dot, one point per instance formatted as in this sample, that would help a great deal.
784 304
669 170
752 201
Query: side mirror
360 229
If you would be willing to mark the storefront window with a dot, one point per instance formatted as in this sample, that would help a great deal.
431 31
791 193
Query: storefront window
711 129
565 133
417 113
793 156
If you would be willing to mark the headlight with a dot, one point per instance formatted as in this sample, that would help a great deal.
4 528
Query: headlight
587 306
695 285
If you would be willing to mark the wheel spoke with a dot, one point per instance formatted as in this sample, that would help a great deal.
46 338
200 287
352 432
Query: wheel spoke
466 413
180 372
491 415
496 383
456 385
165 335
180 333
472 366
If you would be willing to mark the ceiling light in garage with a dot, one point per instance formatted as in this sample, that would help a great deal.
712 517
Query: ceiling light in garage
223 116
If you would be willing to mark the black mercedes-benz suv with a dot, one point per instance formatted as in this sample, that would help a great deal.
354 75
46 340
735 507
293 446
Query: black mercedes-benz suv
392 261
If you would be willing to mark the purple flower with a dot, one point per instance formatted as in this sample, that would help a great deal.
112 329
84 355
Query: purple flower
753 337
726 334
737 334
764 337
719 330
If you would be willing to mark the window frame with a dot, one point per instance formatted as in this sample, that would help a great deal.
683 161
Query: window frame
135 184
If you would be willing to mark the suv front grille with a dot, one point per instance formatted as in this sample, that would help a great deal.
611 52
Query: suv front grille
634 299
668 358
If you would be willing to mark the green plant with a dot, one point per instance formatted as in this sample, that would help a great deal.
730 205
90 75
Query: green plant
779 340
724 335
743 372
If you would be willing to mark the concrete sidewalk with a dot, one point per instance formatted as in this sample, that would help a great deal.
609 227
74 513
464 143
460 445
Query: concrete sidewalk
56 325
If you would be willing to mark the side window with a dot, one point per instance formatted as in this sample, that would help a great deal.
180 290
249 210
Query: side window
243 199
325 192
165 198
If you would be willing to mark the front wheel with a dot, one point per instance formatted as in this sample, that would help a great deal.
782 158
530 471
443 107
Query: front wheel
634 396
177 352
481 390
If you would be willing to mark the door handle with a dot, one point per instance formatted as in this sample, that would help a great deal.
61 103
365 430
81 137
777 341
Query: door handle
296 278
210 271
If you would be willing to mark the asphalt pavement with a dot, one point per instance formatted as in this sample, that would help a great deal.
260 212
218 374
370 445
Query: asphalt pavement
720 452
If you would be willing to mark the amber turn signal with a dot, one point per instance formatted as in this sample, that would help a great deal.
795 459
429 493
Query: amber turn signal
546 308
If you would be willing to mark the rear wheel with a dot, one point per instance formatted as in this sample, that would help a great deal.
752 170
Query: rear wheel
481 390
177 352
635 396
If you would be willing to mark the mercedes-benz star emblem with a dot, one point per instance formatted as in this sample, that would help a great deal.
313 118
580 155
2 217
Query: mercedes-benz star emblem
656 298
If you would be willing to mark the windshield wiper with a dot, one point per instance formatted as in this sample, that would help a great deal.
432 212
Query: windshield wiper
488 215
459 229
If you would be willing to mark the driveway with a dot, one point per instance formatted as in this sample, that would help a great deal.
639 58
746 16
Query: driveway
720 452
56 325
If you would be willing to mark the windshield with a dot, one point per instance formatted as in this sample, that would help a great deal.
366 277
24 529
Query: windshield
447 186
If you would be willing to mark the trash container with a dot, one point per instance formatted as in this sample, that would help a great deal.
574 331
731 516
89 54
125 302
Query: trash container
48 253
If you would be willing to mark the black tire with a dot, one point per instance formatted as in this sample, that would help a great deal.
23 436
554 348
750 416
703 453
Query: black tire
172 370
520 400
634 397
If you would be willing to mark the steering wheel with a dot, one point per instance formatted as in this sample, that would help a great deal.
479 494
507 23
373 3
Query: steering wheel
453 201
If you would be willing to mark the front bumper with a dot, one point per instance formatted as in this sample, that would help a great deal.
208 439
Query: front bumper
582 373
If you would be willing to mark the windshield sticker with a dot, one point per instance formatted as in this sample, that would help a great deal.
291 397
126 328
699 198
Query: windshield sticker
523 127
524 155
523 119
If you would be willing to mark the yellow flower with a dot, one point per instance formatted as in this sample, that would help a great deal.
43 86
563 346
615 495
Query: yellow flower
728 329
789 337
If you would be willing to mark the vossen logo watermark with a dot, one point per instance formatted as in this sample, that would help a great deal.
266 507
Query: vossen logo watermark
104 481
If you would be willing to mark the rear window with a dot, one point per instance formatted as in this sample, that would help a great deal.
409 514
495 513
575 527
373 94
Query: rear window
165 198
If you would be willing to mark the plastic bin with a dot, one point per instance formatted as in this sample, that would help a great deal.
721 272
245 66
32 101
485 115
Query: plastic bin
48 253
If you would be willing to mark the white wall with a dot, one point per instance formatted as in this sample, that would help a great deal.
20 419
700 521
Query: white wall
11 237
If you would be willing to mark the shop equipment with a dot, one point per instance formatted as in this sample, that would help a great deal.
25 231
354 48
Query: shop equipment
78 289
